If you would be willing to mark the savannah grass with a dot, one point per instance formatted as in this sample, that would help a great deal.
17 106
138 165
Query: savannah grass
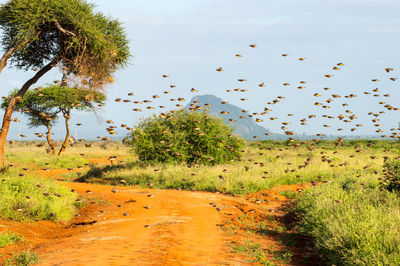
352 222
26 154
257 170
29 198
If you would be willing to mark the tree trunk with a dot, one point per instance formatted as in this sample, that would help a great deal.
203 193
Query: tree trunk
65 144
11 105
48 137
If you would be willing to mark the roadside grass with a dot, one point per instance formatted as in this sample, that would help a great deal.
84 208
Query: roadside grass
24 258
26 154
259 169
352 223
7 238
29 198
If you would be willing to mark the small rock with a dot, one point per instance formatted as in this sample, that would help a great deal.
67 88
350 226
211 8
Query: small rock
125 214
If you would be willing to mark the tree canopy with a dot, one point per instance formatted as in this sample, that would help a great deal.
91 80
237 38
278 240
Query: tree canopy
89 46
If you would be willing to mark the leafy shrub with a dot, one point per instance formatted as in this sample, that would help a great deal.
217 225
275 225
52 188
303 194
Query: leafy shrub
181 136
391 180
24 258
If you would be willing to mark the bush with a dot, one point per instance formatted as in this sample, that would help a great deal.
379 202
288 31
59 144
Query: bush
181 136
24 258
352 224
391 180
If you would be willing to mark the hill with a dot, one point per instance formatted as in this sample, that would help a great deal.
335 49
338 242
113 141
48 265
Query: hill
245 127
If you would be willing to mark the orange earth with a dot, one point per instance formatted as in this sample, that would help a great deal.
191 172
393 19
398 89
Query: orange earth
135 226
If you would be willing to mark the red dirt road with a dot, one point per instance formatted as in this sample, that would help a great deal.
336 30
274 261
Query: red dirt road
132 226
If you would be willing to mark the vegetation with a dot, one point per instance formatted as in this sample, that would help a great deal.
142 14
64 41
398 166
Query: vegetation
352 222
40 35
27 198
24 258
344 213
391 179
262 167
182 136
43 105
9 238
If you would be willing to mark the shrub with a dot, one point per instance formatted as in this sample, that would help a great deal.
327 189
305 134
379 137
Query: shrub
185 136
24 258
391 180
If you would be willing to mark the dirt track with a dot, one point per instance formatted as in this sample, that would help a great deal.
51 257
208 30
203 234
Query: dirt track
130 226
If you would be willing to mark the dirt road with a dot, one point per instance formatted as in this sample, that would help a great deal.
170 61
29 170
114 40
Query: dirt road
132 226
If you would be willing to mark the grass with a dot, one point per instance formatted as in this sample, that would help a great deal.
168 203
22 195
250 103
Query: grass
351 223
24 258
30 198
9 238
263 166
26 154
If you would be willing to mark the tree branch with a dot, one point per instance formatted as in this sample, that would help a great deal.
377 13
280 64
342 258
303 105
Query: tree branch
10 52
63 30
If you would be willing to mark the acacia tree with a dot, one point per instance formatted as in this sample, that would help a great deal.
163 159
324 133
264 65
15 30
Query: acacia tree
41 34
38 112
64 99
43 105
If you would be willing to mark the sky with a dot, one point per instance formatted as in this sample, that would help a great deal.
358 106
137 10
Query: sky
189 39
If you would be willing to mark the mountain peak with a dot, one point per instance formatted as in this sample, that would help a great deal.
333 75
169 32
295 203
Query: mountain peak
233 115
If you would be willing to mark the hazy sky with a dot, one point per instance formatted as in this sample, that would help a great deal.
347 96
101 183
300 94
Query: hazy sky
189 39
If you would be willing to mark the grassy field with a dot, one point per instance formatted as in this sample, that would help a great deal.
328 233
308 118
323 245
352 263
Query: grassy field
263 165
352 220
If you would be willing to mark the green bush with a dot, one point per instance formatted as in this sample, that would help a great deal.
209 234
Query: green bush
185 136
24 258
351 223
391 180
29 198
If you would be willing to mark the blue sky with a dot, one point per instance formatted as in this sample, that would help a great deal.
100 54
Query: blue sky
189 39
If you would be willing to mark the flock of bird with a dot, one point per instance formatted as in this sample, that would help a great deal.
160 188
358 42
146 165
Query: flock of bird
348 117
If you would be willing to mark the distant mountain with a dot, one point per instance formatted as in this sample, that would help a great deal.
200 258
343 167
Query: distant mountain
246 127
